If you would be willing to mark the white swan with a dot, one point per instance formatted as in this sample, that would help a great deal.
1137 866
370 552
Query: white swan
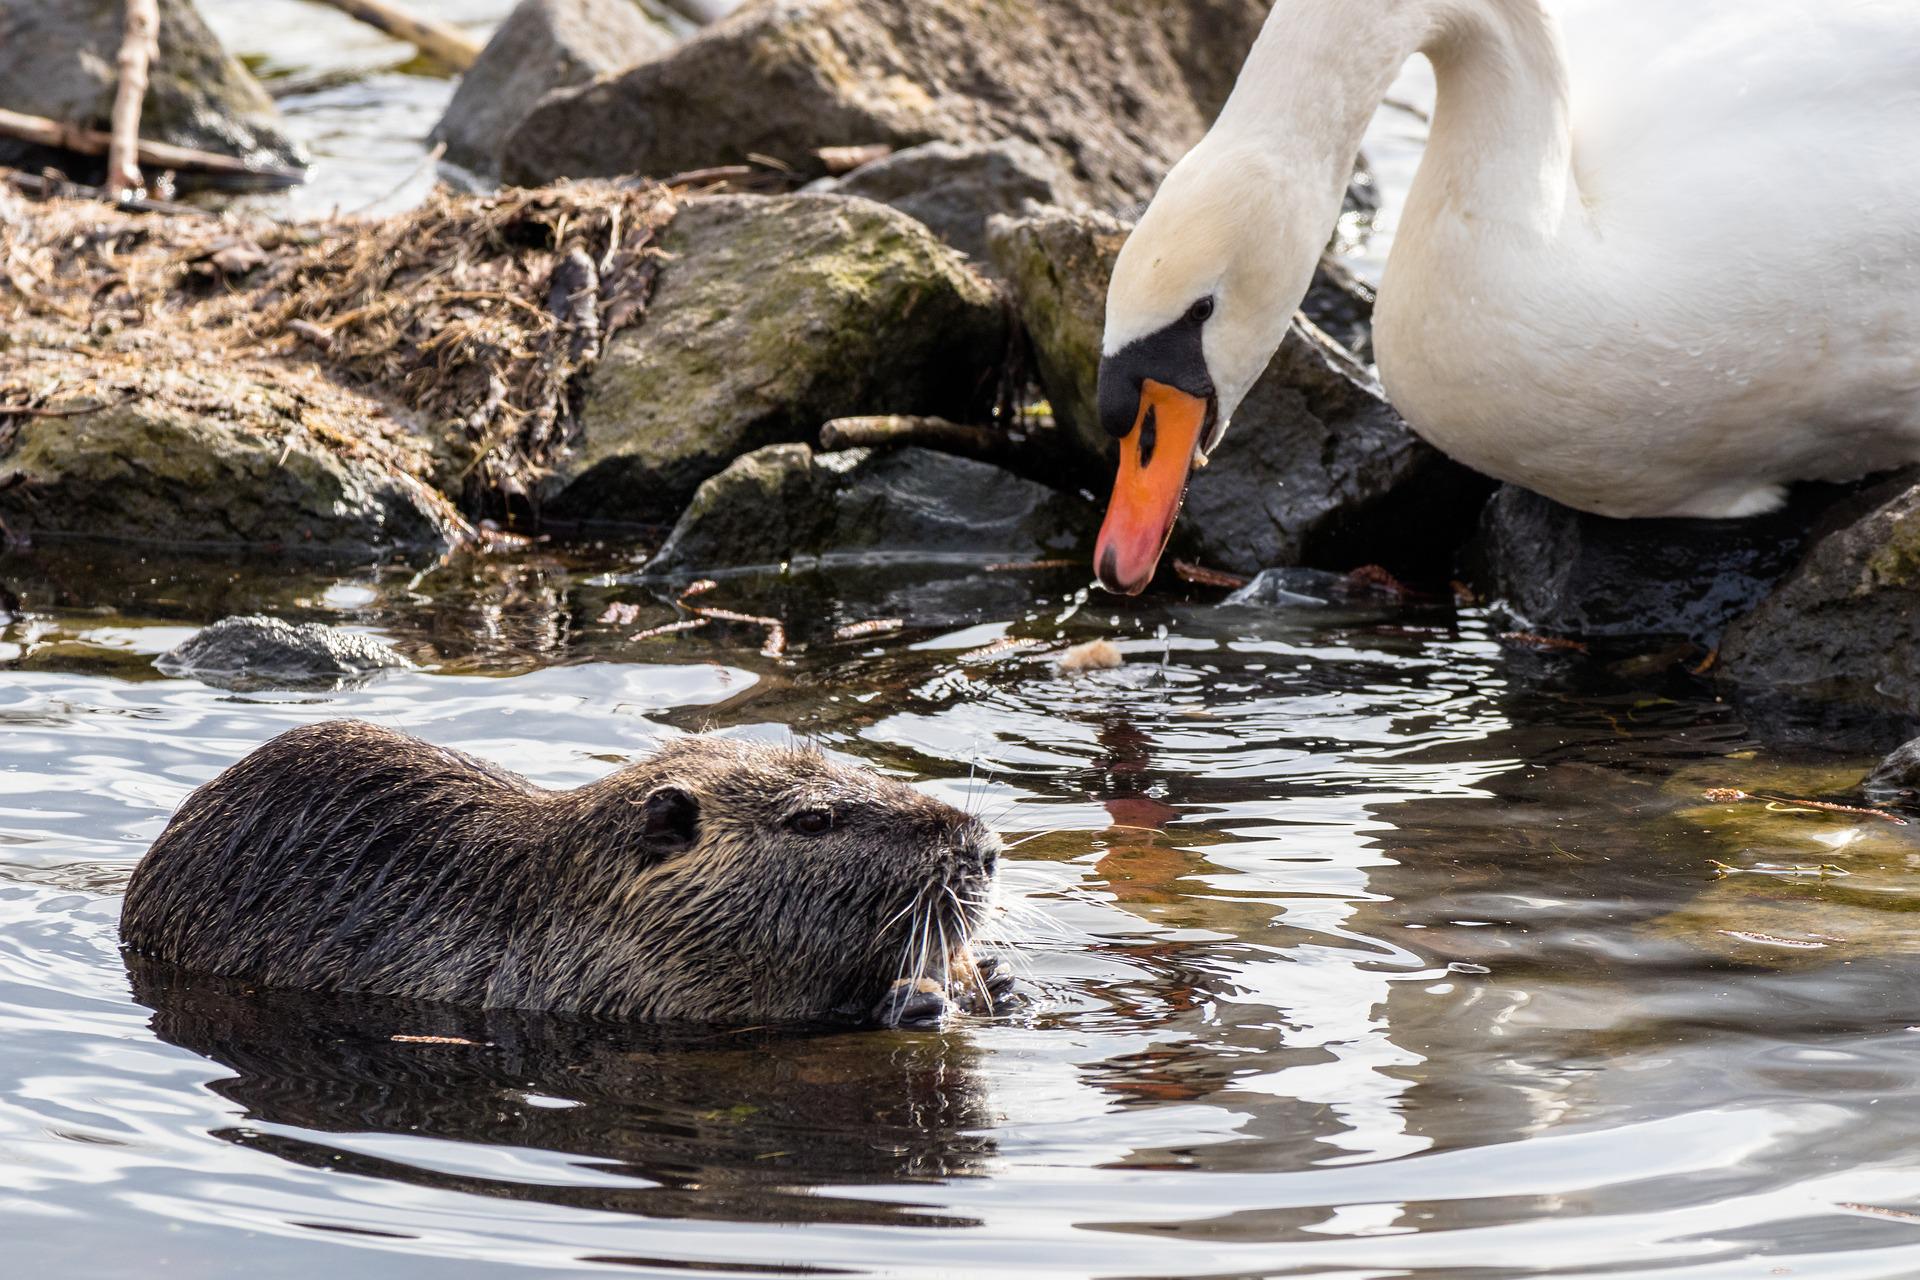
1663 279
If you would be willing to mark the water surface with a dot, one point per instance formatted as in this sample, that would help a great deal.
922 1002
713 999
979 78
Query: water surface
1368 946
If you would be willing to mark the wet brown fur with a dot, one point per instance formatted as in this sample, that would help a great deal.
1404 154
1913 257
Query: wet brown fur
347 857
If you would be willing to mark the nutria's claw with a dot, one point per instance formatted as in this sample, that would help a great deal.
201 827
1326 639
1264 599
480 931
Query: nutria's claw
912 1004
991 991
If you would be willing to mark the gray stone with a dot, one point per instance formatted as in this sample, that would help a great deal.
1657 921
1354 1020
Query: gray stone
232 468
1566 572
261 652
1115 93
771 316
1316 467
57 59
1844 624
543 45
785 503
1897 778
954 188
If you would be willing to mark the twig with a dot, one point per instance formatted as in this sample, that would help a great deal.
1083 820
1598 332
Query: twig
20 410
871 627
841 160
667 629
437 40
1200 574
895 430
156 155
139 44
1729 795
1528 640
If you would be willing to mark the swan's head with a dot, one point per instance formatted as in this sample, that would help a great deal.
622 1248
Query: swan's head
1202 295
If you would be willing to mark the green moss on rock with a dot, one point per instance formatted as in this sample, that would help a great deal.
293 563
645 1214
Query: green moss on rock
770 317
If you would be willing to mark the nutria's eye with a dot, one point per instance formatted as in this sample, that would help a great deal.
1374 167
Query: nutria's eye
811 822
1200 312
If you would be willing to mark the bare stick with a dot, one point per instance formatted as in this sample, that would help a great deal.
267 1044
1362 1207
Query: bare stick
139 44
34 184
899 429
156 155
435 39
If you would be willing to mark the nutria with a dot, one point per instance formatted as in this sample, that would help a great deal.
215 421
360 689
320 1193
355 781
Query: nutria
716 881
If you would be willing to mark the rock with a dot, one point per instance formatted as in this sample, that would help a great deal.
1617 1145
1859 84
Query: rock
57 59
220 460
259 653
1565 572
771 316
1115 93
1897 778
1844 625
1316 466
785 503
543 45
954 188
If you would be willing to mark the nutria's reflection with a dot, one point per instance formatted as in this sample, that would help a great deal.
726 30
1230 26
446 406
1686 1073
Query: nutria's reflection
721 1124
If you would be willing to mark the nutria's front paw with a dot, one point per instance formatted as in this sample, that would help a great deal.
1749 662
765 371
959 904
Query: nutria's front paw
912 1004
990 991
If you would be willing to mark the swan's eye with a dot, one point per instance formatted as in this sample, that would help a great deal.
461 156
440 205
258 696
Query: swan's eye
1200 312
811 822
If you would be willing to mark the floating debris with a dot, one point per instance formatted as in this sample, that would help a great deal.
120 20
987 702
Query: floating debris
698 587
1094 655
1373 575
669 628
871 627
1774 940
453 1040
998 649
775 643
1879 1211
621 615
1545 644
1787 804
1200 575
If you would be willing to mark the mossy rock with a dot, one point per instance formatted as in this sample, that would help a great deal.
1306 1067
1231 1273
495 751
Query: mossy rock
161 472
770 317
1844 625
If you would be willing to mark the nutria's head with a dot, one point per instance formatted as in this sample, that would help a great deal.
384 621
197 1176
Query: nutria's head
729 881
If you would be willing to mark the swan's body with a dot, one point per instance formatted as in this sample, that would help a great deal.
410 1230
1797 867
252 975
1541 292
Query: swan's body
1663 276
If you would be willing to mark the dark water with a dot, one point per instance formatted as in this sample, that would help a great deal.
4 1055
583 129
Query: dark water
1365 947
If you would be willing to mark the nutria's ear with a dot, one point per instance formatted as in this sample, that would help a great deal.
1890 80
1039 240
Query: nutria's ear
672 820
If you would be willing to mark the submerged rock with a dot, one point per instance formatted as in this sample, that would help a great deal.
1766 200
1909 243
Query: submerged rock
57 59
227 459
1316 467
543 45
1844 625
770 317
1115 93
1567 572
1897 778
786 503
955 188
260 652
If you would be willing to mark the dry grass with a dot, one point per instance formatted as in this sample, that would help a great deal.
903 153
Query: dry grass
473 318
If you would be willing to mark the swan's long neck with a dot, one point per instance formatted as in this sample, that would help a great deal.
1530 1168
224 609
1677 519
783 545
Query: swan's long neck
1500 152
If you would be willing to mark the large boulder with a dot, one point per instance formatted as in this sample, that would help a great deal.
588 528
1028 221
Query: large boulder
955 188
57 59
543 45
191 457
1844 625
1115 93
786 503
770 317
1317 467
1558 570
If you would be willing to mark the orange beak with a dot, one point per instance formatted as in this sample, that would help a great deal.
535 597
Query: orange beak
1155 458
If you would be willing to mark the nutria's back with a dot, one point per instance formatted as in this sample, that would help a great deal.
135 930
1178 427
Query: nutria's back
716 881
